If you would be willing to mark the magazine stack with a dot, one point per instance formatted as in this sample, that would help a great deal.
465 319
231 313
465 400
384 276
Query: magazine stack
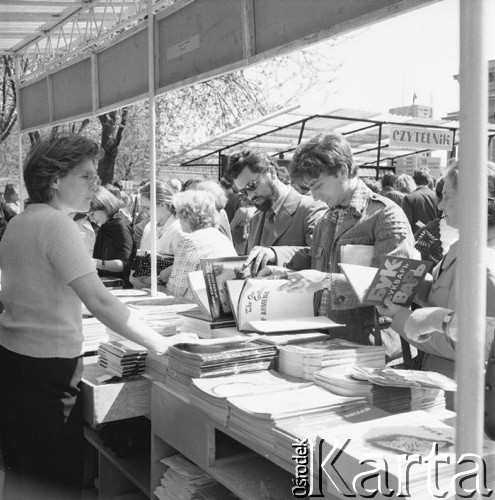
255 416
122 358
188 361
210 394
304 360
394 391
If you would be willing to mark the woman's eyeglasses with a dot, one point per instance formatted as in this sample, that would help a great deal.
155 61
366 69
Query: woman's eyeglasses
92 180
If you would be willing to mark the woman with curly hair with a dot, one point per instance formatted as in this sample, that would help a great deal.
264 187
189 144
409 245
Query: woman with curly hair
198 217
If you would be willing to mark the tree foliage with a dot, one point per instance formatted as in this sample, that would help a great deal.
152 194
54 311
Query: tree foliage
8 97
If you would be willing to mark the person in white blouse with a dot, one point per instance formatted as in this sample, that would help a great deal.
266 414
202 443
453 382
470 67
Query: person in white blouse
198 216
168 228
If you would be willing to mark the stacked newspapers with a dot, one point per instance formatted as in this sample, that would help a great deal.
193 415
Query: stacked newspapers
303 360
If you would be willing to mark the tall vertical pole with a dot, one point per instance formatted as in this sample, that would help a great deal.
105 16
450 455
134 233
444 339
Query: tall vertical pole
19 127
151 104
471 274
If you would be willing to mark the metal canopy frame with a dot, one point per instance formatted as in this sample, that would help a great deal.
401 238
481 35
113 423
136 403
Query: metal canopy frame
279 134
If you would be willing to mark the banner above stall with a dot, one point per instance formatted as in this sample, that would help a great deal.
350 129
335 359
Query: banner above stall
195 40
421 138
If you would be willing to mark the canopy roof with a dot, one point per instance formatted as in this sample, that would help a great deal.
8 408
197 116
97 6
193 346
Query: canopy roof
279 134
31 26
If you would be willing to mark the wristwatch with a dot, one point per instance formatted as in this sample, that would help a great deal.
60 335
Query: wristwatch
326 282
446 321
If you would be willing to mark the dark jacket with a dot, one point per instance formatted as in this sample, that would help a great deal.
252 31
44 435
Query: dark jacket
115 241
421 206
293 229
392 194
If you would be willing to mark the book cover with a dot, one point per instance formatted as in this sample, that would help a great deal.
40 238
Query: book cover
217 272
397 278
262 307
197 286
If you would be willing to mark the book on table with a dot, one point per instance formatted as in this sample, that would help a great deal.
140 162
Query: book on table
208 287
397 278
259 305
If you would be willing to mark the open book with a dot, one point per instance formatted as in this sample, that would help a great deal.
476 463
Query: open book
260 306
397 278
209 289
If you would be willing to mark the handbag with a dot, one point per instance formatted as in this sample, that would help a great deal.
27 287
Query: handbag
141 265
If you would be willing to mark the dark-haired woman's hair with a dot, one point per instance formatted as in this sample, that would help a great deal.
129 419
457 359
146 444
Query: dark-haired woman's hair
104 200
54 157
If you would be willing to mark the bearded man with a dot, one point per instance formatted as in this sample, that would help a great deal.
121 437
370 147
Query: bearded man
281 231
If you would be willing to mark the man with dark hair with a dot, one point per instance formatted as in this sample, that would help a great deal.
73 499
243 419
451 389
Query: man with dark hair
389 188
421 206
281 230
357 216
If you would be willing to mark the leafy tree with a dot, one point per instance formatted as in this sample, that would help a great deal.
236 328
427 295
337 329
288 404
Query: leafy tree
112 128
8 97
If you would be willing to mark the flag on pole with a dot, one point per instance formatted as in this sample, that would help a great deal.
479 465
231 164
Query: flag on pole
414 97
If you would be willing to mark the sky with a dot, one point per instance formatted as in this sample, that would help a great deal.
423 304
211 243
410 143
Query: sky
418 52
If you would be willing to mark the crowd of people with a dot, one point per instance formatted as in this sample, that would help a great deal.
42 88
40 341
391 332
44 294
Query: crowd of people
291 224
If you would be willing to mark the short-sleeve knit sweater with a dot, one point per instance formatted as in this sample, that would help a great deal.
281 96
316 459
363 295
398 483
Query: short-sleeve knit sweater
41 252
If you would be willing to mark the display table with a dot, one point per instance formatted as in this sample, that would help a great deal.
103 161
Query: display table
248 470
245 467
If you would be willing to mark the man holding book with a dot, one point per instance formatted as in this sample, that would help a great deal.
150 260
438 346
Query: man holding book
281 230
356 216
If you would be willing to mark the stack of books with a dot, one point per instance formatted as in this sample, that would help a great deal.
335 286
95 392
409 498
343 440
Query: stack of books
254 417
405 399
185 481
338 379
303 360
394 391
195 321
122 358
224 357
210 394
412 455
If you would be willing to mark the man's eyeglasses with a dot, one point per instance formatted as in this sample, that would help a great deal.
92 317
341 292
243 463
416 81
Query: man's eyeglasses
251 185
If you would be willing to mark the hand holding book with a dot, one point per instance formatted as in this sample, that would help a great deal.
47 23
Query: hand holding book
258 258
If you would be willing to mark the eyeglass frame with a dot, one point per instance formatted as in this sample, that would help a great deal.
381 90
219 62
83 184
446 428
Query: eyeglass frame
253 184
92 180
